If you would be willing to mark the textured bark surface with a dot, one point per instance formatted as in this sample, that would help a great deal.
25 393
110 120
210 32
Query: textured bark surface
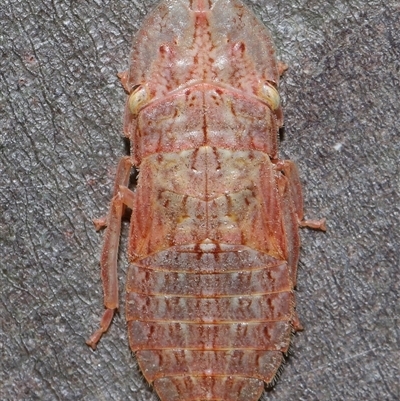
60 138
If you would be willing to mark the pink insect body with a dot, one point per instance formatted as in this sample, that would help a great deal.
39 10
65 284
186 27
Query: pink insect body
214 240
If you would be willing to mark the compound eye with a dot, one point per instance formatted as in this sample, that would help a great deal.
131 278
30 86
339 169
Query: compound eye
270 95
137 99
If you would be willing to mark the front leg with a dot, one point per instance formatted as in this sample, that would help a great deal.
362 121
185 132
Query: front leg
289 169
122 197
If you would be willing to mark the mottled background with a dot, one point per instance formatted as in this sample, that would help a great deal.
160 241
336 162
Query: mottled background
60 139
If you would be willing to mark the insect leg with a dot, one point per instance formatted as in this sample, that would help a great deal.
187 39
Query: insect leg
122 197
291 244
123 77
282 68
289 169
288 204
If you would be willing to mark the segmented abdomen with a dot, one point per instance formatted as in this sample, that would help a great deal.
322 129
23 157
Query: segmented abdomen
209 334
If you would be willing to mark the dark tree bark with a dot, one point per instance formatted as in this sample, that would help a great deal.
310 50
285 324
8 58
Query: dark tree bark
60 139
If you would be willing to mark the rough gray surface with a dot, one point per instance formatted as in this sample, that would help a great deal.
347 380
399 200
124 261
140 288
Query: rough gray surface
60 139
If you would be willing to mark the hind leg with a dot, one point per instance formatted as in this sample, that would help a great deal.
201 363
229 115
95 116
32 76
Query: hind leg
291 200
122 197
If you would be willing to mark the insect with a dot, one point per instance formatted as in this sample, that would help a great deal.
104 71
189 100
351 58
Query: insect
214 241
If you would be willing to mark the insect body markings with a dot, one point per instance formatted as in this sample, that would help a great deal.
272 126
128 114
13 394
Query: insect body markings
214 241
